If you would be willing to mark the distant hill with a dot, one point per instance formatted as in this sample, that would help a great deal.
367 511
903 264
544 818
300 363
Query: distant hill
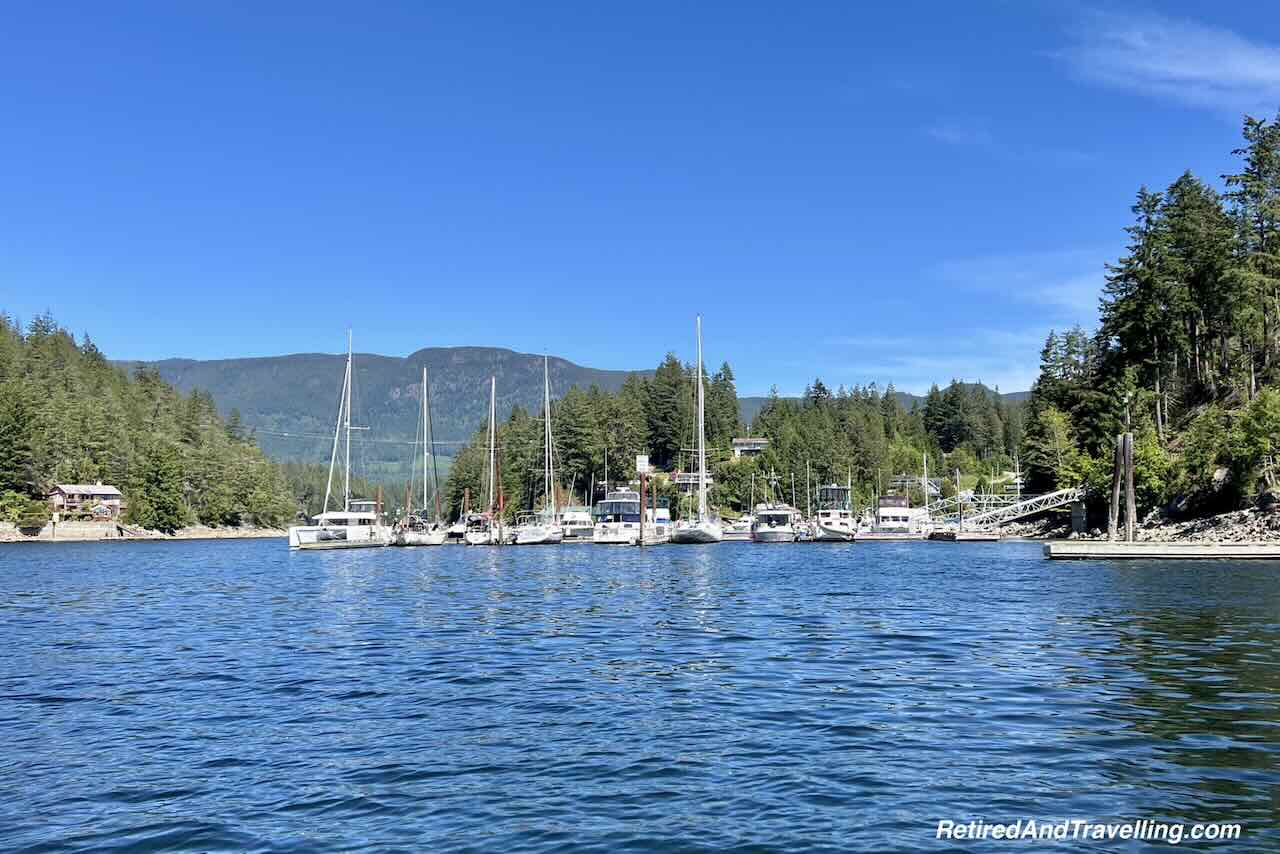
298 395
749 407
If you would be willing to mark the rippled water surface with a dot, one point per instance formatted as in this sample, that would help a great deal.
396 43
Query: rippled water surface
231 695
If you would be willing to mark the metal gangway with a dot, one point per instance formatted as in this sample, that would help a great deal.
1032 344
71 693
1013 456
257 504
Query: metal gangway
985 512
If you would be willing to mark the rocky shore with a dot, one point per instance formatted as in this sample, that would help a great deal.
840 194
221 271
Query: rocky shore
65 532
1253 525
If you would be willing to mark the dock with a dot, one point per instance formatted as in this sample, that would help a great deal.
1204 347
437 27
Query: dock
1104 550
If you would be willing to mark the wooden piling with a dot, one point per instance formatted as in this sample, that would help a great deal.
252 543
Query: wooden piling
1113 512
1131 501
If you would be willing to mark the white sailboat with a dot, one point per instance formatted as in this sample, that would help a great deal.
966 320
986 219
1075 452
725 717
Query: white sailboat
416 530
703 528
544 528
484 529
358 524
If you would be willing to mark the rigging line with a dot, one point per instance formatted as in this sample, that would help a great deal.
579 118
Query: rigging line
354 439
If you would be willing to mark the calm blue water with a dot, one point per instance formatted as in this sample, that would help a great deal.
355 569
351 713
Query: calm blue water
231 695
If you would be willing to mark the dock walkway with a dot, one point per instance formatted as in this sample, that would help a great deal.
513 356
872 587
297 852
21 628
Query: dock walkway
1104 550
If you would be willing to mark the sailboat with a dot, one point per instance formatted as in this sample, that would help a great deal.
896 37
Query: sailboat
358 524
702 528
545 528
484 529
417 531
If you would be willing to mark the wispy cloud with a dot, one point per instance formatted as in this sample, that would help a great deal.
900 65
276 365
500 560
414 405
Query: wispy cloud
1068 281
1179 60
972 133
996 357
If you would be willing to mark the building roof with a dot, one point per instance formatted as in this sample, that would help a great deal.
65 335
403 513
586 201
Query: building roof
86 489
752 440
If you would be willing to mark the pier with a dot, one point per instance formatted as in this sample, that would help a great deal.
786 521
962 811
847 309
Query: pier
1104 550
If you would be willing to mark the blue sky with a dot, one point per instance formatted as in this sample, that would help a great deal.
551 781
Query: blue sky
902 192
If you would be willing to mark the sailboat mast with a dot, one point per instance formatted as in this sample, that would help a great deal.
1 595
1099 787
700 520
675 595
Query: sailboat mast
550 474
346 484
333 454
493 441
431 444
702 439
426 448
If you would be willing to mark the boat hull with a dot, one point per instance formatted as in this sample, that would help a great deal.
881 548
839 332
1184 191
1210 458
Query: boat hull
615 534
434 537
539 535
834 533
480 538
889 536
698 532
774 535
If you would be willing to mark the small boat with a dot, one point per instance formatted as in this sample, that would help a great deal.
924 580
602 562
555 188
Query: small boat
359 524
895 519
775 523
738 530
543 528
533 529
485 529
577 524
617 518
702 528
417 530
835 521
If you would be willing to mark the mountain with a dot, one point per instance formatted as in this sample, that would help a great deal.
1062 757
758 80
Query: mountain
291 402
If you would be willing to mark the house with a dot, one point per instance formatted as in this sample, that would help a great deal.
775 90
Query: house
98 499
749 447
903 483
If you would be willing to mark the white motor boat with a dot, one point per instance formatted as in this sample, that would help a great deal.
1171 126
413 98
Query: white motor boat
618 518
703 528
534 530
835 521
738 530
774 523
577 524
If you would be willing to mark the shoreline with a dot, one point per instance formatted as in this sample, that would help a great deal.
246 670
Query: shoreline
96 532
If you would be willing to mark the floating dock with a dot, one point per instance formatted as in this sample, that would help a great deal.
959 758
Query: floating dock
1104 550
966 536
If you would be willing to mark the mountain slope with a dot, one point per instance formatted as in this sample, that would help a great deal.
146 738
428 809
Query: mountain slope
298 395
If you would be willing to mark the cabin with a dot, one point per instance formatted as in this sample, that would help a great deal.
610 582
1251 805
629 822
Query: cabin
749 447
100 500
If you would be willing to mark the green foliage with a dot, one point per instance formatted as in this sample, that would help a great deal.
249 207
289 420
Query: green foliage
22 510
68 415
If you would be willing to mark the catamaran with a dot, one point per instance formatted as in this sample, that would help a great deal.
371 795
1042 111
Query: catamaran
485 529
359 523
702 528
418 530
544 528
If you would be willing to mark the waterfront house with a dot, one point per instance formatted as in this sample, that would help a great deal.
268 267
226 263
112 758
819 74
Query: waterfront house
749 447
100 500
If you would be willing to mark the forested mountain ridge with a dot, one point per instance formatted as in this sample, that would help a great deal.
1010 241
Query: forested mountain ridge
298 395
1187 354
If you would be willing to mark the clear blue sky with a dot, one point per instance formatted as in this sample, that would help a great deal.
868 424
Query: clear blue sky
903 191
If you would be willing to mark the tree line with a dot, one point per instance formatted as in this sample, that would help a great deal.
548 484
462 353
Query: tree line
1187 351
67 415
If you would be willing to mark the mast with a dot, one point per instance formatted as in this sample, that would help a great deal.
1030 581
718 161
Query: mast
493 442
431 446
337 431
702 439
924 484
425 450
346 484
549 473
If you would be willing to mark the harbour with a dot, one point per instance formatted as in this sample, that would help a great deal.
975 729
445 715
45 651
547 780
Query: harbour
232 694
